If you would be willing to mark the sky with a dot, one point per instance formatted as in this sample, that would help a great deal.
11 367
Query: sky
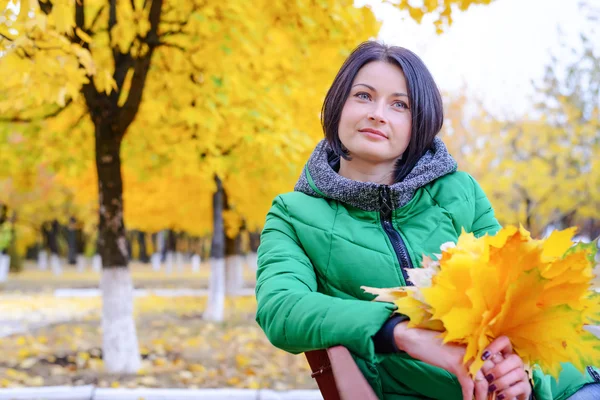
494 51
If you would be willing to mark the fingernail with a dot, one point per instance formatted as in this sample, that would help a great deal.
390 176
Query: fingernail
500 397
486 354
492 388
490 378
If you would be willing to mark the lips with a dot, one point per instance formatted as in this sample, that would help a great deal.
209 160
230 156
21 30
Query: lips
374 131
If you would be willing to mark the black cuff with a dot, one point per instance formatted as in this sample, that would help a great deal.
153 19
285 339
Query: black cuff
384 338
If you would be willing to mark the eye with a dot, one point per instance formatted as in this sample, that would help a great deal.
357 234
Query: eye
400 104
363 96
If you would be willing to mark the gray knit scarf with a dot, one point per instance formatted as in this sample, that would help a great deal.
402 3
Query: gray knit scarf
322 166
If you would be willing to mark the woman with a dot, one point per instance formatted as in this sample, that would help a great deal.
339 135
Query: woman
378 193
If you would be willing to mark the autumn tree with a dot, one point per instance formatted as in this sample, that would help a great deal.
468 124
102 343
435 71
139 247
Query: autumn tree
542 168
172 81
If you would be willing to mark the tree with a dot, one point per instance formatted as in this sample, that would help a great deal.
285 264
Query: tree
540 169
182 80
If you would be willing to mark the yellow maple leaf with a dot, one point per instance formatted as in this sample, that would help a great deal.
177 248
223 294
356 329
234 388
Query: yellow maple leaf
538 293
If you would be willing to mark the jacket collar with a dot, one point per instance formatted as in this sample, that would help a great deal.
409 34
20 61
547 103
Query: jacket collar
320 179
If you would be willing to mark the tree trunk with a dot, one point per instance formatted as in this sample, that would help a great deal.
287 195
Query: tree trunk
171 246
234 278
254 241
111 121
80 247
233 265
55 263
215 306
159 248
4 242
43 253
16 261
141 237
119 341
252 257
119 345
72 241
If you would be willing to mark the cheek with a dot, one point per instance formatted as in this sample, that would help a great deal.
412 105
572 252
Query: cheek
351 114
347 121
403 126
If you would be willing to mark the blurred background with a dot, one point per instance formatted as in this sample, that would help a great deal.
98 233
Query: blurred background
142 142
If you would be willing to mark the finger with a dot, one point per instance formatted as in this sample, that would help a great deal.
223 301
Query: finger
500 345
467 385
519 390
507 380
497 358
508 364
481 387
487 367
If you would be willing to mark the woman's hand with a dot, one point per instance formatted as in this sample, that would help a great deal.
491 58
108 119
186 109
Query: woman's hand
425 345
505 371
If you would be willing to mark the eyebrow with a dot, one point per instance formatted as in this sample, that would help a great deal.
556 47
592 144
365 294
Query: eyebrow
397 94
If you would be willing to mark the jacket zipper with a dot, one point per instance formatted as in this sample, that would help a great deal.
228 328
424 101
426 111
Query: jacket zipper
594 374
385 211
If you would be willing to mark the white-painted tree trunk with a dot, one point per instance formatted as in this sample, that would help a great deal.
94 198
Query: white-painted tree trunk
215 305
195 263
43 260
4 267
169 262
234 274
119 342
55 264
81 263
155 260
97 262
179 261
252 260
160 241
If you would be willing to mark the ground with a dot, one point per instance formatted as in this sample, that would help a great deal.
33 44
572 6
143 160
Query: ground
59 338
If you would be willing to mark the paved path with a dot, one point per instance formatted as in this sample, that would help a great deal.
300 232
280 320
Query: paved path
93 393
19 314
148 292
14 320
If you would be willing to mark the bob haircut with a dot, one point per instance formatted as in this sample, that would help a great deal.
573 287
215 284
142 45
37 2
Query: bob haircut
426 107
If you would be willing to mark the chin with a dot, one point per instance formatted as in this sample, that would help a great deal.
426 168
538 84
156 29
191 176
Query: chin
370 156
370 151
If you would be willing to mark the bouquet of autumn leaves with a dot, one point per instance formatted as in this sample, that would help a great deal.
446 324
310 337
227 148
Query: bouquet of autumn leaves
539 293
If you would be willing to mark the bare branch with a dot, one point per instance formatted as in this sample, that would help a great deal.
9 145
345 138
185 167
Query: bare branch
172 45
5 37
80 14
81 117
112 21
55 113
46 6
97 17
172 33
141 68
180 23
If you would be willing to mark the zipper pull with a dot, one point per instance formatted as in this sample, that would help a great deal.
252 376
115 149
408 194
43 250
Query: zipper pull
385 202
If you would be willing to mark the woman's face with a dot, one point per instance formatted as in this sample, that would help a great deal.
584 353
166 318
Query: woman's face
375 124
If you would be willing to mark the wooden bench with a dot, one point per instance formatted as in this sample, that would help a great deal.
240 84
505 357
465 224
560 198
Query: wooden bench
338 375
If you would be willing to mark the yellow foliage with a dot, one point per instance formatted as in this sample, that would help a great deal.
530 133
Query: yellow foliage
233 89
523 165
538 293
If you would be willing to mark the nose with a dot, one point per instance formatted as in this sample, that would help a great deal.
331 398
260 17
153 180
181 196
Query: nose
376 114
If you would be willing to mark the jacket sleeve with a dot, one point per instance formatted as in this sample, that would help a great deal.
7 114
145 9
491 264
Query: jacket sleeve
484 220
293 315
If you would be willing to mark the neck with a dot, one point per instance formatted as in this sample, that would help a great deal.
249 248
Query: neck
362 171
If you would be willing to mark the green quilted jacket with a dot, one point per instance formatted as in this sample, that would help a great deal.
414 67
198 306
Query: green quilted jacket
332 235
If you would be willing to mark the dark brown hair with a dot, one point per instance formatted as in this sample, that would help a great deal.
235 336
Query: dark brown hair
426 106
